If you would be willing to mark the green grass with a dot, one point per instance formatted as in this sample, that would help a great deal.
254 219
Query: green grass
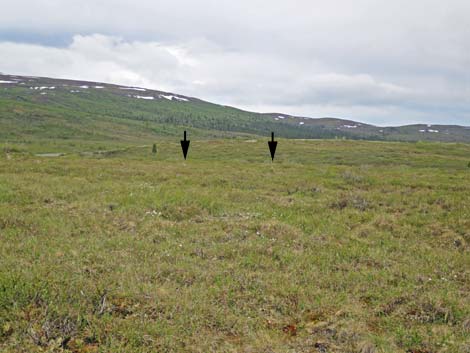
337 246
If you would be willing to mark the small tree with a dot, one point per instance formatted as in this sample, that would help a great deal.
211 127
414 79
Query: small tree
154 148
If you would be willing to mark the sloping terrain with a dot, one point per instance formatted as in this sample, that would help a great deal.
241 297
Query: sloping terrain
34 108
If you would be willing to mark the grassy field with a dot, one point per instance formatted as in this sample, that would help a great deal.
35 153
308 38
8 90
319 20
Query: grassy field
337 246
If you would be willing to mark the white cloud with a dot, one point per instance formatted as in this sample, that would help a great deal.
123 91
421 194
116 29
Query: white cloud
375 61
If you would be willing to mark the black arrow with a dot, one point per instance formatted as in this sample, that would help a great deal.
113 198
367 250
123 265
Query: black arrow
272 146
185 145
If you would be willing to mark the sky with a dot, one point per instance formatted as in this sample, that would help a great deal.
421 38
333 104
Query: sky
376 61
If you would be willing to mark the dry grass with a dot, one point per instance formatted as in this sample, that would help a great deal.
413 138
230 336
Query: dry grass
338 246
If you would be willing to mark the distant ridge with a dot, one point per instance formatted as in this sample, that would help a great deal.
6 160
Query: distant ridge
42 107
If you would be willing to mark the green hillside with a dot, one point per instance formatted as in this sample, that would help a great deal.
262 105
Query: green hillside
37 108
34 109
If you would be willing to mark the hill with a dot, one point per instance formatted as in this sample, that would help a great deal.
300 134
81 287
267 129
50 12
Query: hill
38 108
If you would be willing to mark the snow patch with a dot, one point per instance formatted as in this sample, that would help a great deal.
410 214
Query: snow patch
170 98
41 88
84 86
99 87
134 88
8 82
350 126
281 117
145 97
301 123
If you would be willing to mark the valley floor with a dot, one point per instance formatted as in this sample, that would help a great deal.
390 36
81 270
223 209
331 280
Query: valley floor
337 246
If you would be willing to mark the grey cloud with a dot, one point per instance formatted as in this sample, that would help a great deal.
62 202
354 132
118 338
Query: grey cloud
376 61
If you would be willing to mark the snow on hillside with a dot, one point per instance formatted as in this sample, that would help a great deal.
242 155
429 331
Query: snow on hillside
145 97
133 89
171 97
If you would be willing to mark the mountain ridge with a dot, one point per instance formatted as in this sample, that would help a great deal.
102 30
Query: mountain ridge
45 96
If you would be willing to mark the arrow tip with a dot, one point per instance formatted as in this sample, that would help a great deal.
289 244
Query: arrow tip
185 146
272 148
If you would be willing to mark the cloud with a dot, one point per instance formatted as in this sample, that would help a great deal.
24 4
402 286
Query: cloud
375 61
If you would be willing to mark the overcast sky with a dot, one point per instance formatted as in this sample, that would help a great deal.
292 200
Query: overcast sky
377 61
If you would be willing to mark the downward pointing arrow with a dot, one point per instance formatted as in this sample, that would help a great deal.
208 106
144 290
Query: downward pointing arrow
185 145
272 146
